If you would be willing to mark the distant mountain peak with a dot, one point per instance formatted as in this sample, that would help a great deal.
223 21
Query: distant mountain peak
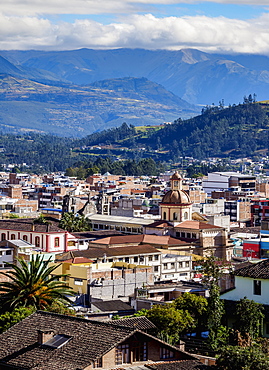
192 56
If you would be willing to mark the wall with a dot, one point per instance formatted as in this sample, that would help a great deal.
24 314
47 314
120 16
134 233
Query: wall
244 288
122 285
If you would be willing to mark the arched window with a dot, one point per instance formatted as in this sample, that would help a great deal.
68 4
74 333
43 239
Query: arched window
56 242
12 237
25 238
37 241
3 236
164 215
174 216
186 215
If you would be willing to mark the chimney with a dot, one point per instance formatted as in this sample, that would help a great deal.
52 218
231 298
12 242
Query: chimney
45 335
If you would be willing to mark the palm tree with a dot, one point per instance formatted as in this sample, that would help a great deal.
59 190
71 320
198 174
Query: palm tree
31 284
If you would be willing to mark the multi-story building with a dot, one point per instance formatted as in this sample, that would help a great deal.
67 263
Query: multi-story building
238 210
221 181
47 237
259 211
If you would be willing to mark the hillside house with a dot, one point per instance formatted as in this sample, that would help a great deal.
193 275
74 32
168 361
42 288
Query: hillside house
46 340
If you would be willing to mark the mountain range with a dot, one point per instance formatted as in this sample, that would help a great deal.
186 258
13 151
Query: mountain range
75 93
194 76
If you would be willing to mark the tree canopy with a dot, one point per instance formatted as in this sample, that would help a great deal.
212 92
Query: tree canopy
73 223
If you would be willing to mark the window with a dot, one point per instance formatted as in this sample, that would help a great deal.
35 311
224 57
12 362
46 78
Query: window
165 266
150 258
98 363
78 281
135 259
3 236
186 215
257 287
174 216
37 241
141 259
56 242
172 265
183 234
57 341
71 243
140 351
180 264
187 264
156 268
127 259
122 354
156 257
8 253
188 235
24 238
12 237
166 353
164 215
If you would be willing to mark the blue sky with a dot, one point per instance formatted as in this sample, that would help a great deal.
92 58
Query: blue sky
224 26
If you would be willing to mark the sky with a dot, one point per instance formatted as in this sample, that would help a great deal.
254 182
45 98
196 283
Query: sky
221 26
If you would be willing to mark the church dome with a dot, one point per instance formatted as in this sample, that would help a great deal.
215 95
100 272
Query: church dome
176 196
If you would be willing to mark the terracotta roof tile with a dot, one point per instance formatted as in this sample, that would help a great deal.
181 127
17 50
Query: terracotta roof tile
77 260
89 341
20 348
178 365
197 225
28 225
113 305
137 239
259 270
141 323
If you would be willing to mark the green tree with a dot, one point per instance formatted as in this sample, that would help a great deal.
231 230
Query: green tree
249 317
73 223
41 220
31 284
170 321
9 319
212 268
242 358
197 308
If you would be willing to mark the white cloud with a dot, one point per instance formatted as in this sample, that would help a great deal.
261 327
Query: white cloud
144 31
38 7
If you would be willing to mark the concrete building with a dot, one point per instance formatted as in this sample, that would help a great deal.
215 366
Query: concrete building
221 181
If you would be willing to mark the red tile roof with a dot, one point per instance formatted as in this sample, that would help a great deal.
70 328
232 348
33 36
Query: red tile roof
139 239
197 225
77 260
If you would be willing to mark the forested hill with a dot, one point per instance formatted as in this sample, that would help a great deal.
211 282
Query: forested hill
237 131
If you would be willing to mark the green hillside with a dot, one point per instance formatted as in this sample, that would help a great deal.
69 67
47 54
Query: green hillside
237 131
234 132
